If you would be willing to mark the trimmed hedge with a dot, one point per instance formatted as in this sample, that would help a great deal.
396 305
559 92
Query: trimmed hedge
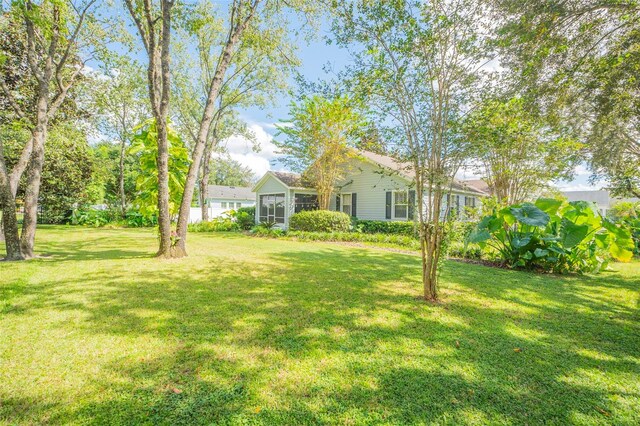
320 221
382 227
396 240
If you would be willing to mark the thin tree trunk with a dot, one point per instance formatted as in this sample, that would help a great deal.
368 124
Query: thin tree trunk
205 125
123 197
204 183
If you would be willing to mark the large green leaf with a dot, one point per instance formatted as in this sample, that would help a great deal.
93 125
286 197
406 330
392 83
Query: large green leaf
528 214
548 205
478 236
572 234
620 242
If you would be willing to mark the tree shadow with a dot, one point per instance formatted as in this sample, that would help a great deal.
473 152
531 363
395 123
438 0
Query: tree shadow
313 335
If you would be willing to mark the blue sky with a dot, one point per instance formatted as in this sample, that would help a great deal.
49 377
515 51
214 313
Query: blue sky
315 55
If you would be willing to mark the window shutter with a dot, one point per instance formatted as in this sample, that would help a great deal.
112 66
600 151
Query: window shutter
337 203
388 206
354 203
412 203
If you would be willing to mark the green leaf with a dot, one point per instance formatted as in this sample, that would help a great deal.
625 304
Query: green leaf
548 205
528 214
572 234
538 252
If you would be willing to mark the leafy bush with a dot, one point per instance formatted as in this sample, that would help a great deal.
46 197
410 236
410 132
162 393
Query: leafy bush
320 221
553 235
465 251
628 214
135 219
382 227
219 224
262 231
245 217
93 217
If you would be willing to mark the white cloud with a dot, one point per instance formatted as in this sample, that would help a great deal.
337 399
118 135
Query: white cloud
259 156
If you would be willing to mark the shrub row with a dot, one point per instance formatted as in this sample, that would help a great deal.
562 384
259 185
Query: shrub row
382 227
320 221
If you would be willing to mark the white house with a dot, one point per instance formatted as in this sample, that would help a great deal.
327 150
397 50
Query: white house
602 199
377 187
221 199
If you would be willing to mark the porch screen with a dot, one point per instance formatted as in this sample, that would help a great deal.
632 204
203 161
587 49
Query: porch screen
272 208
306 202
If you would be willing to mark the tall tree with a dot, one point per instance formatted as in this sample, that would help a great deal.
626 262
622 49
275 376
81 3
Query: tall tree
55 35
516 152
579 61
418 65
153 22
320 136
229 172
242 19
120 106
257 71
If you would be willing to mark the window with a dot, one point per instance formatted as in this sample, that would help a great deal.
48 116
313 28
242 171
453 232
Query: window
470 202
400 204
306 202
238 205
346 203
223 205
272 208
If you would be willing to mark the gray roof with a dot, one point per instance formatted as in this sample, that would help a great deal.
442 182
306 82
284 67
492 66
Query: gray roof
405 169
478 184
230 192
292 180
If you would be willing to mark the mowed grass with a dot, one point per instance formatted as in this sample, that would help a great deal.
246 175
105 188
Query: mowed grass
257 331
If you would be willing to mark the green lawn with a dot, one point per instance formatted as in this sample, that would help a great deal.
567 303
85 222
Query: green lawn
256 331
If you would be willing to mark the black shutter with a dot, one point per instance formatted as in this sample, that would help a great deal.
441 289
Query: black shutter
337 203
388 206
354 203
412 203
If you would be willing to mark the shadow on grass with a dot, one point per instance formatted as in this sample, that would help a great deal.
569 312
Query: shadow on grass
338 336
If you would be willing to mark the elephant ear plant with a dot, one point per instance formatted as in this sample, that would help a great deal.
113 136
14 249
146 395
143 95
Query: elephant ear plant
553 236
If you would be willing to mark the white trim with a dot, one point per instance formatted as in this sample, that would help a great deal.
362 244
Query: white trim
350 194
259 208
393 204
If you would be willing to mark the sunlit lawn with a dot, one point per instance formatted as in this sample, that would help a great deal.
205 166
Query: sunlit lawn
256 331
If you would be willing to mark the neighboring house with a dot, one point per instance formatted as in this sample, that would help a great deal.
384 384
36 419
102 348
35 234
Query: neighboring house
377 187
221 199
601 198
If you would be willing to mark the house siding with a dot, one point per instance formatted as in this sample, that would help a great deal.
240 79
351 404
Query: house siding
371 183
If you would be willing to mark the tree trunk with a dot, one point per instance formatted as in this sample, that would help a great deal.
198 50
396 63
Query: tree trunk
205 126
159 86
123 197
204 183
164 217
32 193
9 224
